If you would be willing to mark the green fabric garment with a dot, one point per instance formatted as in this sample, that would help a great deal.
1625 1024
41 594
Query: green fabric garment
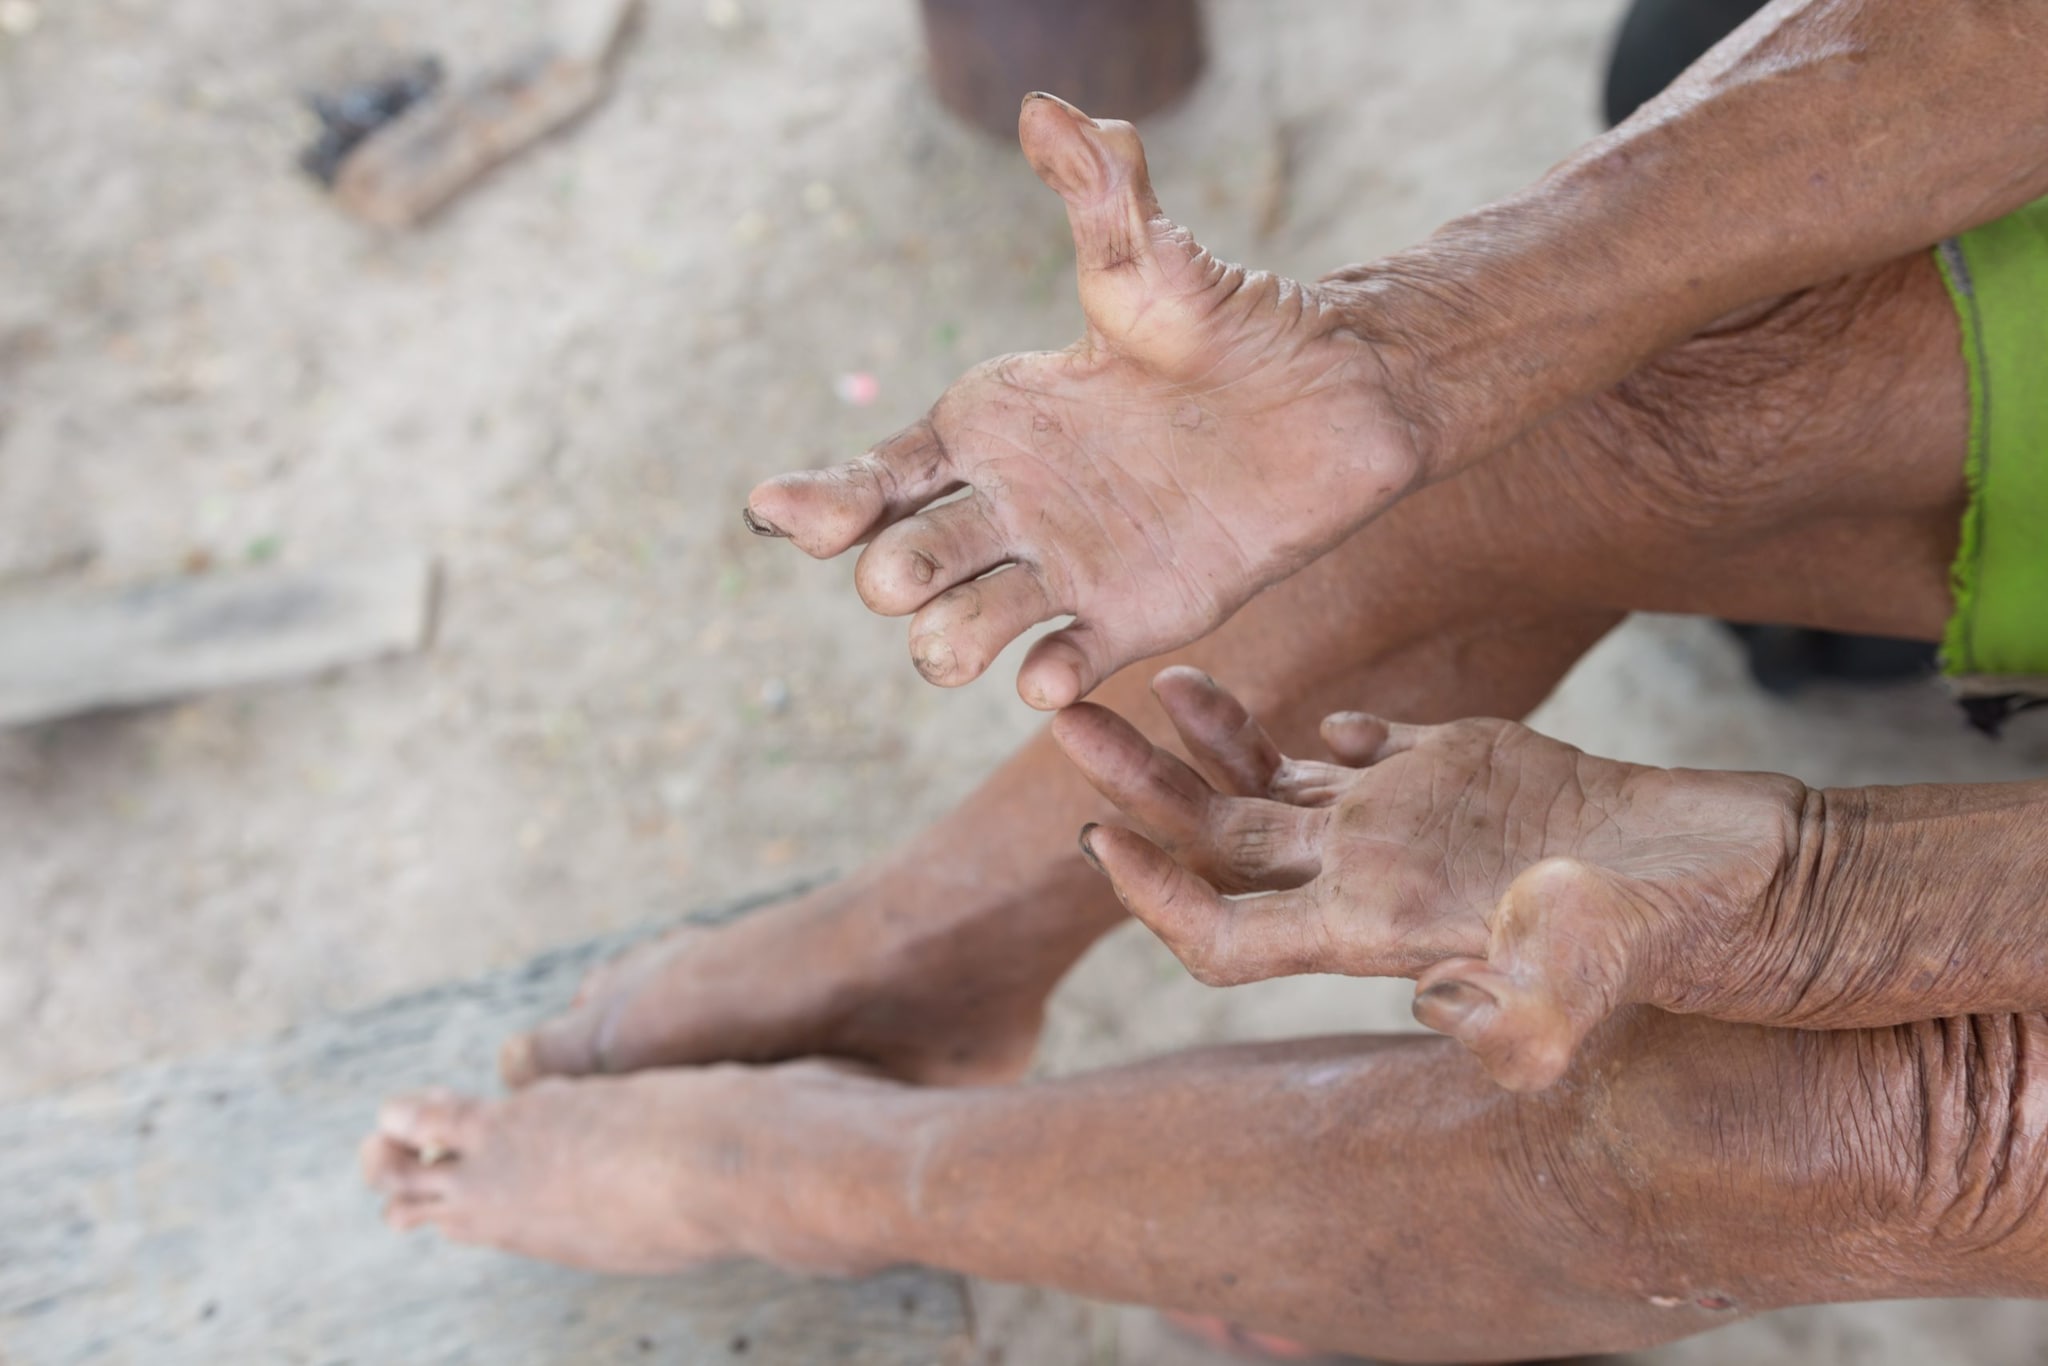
1998 277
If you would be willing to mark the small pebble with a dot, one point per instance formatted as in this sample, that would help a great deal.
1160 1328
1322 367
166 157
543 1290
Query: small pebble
775 697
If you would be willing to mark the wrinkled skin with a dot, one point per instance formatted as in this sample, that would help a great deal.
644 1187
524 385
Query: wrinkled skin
1800 463
1374 1194
1214 431
1532 887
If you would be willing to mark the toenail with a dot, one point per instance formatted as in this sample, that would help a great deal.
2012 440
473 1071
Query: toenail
760 525
1088 850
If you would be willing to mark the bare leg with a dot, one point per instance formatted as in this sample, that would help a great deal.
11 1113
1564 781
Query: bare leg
1371 1194
1800 465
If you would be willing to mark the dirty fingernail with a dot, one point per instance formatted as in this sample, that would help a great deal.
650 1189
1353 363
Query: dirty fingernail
933 657
760 525
1088 850
1454 1005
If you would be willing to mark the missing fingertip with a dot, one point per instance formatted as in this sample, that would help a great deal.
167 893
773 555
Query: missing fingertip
1088 849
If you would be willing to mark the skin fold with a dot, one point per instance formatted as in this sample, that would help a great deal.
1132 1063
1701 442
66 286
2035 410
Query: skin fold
1216 429
1532 888
1800 464
1801 461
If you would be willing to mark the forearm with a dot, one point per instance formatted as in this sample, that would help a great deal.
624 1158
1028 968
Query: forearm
1823 137
1909 903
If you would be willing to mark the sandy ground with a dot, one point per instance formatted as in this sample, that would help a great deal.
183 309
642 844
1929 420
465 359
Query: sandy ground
562 389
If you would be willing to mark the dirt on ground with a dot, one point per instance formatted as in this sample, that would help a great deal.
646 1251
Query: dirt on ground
562 389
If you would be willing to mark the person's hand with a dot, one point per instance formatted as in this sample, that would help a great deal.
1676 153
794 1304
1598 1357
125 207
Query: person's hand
1532 888
1214 431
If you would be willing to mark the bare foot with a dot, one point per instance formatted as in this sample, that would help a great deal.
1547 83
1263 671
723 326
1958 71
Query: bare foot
829 973
1531 887
652 1173
1215 430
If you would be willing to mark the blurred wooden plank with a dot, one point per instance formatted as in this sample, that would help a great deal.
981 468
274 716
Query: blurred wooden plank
69 650
209 1212
405 171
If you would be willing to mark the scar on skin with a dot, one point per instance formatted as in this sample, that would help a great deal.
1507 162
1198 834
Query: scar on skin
1188 416
922 566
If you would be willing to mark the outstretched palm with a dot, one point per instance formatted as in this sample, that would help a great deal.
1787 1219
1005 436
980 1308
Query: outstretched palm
1531 887
1214 431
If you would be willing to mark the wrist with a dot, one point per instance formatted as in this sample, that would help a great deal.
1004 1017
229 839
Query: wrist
1501 318
1737 911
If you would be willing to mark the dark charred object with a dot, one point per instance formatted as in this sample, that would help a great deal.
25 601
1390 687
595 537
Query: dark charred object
352 113
1114 59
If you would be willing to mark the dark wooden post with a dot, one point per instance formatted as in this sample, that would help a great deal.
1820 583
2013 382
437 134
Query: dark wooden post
1118 59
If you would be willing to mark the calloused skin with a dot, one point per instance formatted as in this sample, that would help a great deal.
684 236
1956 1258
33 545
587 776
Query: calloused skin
1801 463
1216 429
1532 888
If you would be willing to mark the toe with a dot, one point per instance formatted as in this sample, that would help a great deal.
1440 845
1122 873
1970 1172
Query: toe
920 557
566 1046
433 1124
955 638
401 1172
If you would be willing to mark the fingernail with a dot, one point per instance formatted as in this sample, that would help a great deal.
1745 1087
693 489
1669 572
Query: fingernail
760 525
1456 1004
1088 850
934 658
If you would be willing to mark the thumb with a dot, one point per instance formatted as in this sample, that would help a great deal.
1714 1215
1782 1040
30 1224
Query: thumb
1558 964
1098 168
